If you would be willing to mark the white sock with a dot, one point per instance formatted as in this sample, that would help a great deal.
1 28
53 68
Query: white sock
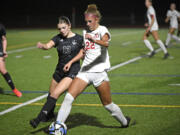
65 109
148 44
160 43
116 113
176 38
168 39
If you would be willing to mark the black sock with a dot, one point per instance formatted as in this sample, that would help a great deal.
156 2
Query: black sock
8 79
51 112
50 103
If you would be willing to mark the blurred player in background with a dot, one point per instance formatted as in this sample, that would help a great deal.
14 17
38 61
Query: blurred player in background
70 50
3 56
152 28
172 15
94 69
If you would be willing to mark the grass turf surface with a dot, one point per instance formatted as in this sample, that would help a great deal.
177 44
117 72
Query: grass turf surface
31 71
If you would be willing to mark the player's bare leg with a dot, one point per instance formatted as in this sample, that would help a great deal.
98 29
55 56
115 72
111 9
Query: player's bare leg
61 87
56 89
7 77
105 96
75 89
52 86
160 43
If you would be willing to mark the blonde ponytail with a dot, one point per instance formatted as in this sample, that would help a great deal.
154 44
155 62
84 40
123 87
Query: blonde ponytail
92 9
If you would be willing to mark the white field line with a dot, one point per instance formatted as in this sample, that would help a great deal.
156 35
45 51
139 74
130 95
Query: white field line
21 50
127 43
23 104
174 84
45 95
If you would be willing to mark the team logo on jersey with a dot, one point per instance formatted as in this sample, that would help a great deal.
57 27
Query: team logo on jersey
96 35
61 40
74 42
67 49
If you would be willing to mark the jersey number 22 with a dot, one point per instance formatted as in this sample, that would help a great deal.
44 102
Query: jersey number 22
90 45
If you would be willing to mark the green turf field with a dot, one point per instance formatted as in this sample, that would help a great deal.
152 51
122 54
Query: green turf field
144 89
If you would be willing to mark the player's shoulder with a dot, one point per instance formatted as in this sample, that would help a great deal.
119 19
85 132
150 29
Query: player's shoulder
176 12
78 36
2 29
169 11
58 36
101 27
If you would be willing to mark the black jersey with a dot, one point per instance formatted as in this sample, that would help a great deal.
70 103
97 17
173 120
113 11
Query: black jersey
2 33
68 48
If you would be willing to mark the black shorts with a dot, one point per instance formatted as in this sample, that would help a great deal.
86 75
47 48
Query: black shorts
1 51
59 74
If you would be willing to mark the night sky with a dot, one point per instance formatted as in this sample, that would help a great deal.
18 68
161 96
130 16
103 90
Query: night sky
45 12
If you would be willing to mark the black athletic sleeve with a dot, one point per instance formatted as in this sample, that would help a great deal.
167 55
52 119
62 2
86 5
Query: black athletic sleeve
81 42
2 30
55 40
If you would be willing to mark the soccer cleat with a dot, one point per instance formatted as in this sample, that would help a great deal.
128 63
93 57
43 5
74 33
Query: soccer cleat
166 56
152 54
17 93
166 46
128 122
34 123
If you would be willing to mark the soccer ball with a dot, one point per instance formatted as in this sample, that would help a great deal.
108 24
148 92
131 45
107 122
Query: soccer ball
57 128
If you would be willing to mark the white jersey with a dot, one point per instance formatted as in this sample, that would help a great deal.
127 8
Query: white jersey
151 12
96 56
173 15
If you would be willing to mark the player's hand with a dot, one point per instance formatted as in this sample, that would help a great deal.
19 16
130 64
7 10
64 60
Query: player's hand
5 55
39 45
90 37
146 25
67 67
148 29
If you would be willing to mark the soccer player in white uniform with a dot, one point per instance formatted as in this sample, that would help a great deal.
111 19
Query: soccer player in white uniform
152 28
94 69
172 15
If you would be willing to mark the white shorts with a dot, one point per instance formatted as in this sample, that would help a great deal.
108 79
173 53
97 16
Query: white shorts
154 28
95 78
174 25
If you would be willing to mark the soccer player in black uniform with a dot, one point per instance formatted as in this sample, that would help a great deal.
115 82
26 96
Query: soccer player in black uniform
3 55
70 50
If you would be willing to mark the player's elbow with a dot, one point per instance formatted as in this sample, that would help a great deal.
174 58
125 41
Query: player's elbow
4 38
106 44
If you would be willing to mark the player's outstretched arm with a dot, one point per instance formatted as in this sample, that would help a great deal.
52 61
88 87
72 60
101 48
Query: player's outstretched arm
167 19
103 42
46 46
4 42
79 56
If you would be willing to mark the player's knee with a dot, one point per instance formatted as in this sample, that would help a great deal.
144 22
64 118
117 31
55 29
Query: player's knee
106 102
144 37
3 71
